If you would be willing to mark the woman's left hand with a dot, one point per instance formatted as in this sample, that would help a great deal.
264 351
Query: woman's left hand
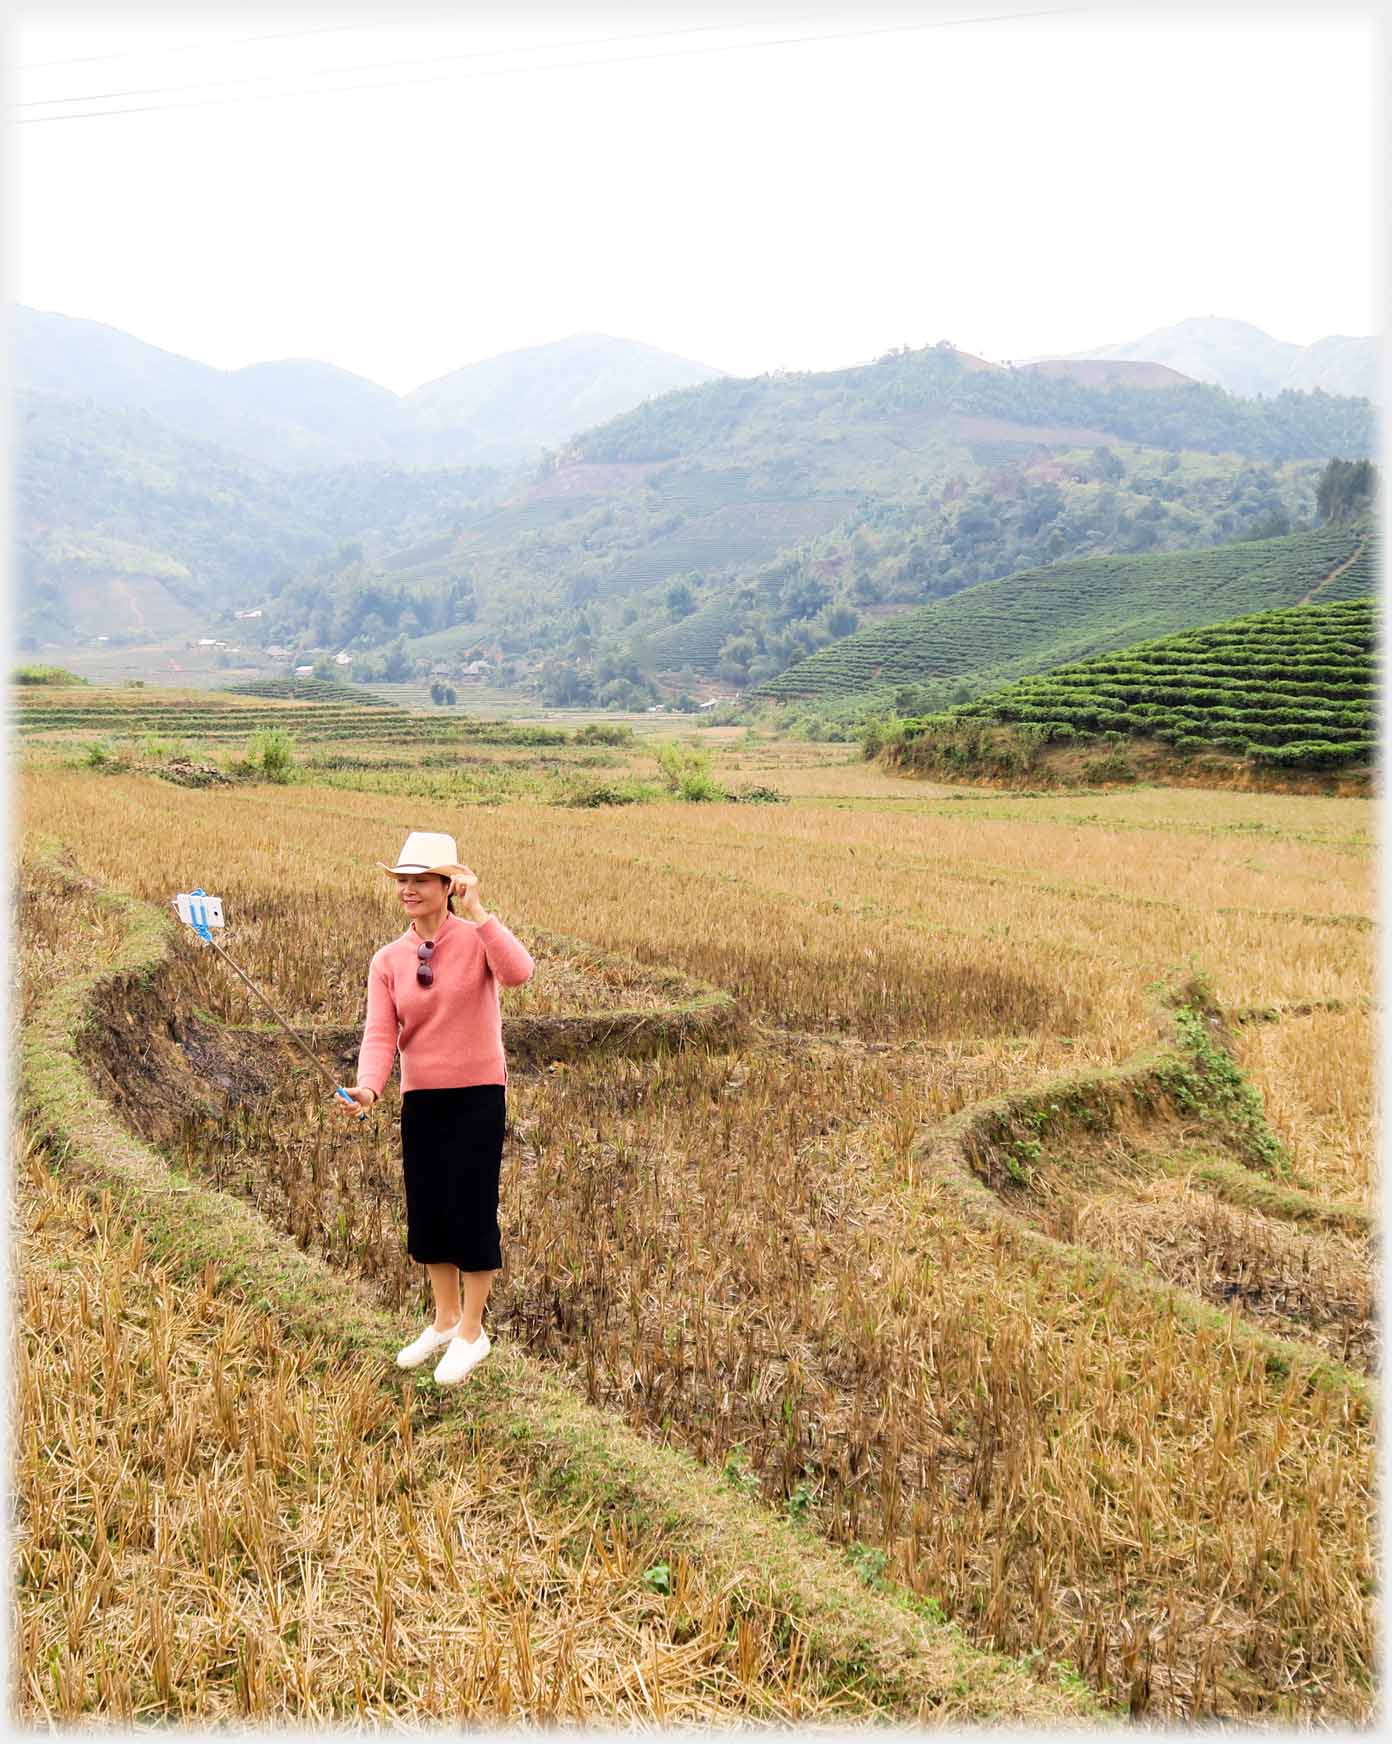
466 888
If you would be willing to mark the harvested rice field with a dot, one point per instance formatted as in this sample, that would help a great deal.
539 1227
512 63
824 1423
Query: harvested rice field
964 1197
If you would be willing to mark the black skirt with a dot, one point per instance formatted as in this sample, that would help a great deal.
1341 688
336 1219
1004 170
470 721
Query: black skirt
451 1156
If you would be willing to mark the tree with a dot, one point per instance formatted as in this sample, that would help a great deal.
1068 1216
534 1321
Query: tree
1346 489
1270 524
563 685
680 600
1106 465
839 620
736 653
397 664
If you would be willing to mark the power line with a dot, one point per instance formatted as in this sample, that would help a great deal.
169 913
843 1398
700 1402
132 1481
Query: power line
555 66
123 54
362 66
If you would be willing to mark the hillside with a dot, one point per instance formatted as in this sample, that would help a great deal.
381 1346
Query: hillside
925 388
1294 689
300 413
1109 372
775 511
1243 359
290 414
125 527
1041 618
512 407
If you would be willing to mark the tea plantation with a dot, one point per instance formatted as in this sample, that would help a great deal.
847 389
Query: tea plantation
1294 688
1040 618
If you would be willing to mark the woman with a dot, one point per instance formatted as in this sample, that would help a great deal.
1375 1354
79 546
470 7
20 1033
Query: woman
433 994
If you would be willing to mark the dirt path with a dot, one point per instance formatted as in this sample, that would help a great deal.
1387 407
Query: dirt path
1338 570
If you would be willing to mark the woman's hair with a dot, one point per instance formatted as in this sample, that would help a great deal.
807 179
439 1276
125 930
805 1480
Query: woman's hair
449 900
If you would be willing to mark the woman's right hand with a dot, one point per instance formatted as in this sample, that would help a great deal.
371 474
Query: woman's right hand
362 1095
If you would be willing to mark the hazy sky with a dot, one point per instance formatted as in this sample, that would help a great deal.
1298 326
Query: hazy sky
401 193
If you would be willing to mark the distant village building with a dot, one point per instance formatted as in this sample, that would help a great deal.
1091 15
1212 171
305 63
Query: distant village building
276 652
256 613
711 703
304 672
206 642
344 659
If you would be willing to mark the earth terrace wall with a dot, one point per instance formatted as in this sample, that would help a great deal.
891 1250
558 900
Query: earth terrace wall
877 1637
972 1153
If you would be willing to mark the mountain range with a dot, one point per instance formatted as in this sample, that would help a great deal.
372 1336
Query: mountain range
1243 359
299 413
723 529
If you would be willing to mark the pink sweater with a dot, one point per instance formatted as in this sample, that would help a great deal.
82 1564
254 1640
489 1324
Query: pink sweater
450 1033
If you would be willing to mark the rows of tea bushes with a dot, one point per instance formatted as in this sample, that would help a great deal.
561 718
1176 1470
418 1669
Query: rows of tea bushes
309 690
1355 580
751 532
694 641
1292 688
222 718
378 726
1042 618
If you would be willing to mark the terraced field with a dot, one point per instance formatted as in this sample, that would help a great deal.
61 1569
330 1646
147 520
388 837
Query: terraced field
750 532
310 722
1288 689
308 690
1043 618
695 641
951 1258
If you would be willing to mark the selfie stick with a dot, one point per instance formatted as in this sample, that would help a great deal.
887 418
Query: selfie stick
203 912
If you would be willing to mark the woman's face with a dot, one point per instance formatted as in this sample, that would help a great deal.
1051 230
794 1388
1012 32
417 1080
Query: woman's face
421 892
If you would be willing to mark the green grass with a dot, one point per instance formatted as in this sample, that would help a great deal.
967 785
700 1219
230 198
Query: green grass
1042 618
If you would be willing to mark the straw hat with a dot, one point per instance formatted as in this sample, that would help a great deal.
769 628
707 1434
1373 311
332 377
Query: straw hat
426 852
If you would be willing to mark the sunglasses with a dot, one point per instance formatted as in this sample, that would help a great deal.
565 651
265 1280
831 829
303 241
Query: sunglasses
425 975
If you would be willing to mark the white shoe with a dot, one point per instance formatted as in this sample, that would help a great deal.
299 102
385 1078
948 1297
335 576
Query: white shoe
461 1359
426 1345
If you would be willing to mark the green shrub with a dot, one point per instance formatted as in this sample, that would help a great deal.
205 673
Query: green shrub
271 751
878 732
597 793
686 773
45 675
603 733
1115 766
